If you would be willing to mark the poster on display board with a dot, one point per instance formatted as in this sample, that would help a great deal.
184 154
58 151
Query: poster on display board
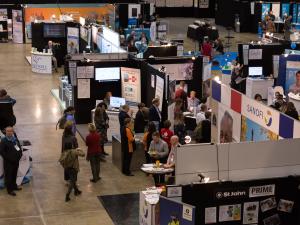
131 84
3 14
172 91
292 82
261 114
265 8
17 23
251 131
85 72
203 4
177 71
73 40
229 125
206 72
159 90
83 88
173 212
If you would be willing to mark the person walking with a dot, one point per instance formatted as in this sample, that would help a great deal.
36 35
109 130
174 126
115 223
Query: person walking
128 142
11 152
68 139
94 151
72 169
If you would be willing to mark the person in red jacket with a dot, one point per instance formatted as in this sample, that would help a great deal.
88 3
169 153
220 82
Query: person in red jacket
94 151
206 48
166 133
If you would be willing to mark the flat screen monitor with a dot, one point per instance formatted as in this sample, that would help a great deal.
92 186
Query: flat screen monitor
255 71
116 102
107 74
54 30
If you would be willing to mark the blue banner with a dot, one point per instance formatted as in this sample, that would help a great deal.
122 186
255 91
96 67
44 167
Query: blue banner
285 9
265 8
175 213
298 13
295 12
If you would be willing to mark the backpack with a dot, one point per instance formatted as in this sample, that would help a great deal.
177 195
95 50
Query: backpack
66 159
61 122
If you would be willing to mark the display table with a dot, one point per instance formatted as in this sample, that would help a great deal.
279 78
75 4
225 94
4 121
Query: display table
114 125
41 62
295 99
138 156
151 169
258 86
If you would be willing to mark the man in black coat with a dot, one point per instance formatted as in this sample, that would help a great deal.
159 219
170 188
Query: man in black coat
155 114
140 119
123 114
11 152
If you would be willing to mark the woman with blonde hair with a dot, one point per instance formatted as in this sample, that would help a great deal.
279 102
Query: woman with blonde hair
94 151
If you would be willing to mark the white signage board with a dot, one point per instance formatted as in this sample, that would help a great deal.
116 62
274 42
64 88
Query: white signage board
159 91
41 63
83 88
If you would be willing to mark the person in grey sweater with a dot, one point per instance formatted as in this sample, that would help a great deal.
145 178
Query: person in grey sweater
159 148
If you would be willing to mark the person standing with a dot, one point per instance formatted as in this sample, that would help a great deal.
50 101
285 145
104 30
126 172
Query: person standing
101 121
123 114
11 152
128 142
70 116
106 99
206 48
193 102
179 127
4 97
180 93
69 141
94 151
154 113
287 26
166 133
140 119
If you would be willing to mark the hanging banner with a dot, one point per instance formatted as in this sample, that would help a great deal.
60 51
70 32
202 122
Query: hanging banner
73 40
203 4
261 114
131 84
17 26
159 91
265 8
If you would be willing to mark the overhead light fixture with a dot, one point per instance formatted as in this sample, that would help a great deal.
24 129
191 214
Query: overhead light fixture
193 58
217 79
286 55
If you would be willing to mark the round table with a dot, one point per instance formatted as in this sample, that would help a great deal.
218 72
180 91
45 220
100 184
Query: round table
159 172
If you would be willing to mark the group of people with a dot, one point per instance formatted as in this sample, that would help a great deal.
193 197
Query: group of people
280 104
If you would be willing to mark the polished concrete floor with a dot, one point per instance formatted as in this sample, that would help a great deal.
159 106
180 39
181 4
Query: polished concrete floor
42 201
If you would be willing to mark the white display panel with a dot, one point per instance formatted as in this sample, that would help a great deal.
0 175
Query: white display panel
117 102
255 71
111 36
107 74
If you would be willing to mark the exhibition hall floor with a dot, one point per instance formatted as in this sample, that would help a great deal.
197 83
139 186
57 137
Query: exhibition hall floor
42 201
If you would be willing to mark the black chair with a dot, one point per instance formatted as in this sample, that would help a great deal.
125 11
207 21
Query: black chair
7 117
